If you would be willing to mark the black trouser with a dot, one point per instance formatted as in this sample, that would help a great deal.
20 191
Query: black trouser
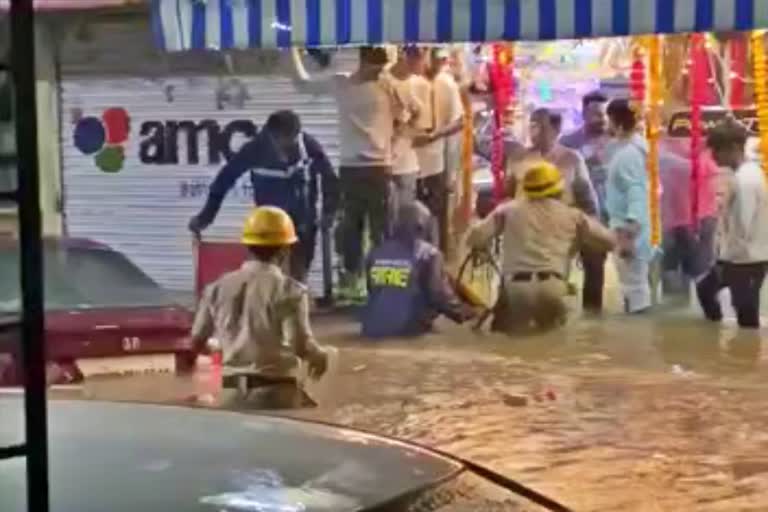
594 279
744 281
364 198
303 253
433 192
689 250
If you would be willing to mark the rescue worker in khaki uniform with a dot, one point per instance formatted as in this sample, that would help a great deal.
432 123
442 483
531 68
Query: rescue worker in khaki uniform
540 233
545 126
258 314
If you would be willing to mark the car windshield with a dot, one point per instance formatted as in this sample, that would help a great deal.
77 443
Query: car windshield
82 278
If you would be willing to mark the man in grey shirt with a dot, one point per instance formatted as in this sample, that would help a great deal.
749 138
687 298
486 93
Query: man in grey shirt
591 141
544 132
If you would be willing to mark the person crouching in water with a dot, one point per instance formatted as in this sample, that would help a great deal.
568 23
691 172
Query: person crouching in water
258 314
539 234
408 287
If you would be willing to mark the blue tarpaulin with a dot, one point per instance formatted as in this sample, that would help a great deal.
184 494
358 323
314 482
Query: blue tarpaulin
226 24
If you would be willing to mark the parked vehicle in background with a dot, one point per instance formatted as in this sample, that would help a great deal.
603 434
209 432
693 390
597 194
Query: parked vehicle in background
102 314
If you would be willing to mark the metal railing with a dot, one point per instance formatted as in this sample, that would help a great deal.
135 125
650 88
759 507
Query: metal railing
27 196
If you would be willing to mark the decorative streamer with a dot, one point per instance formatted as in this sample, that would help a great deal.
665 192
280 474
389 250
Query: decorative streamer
676 54
698 97
760 67
655 100
715 95
500 72
737 48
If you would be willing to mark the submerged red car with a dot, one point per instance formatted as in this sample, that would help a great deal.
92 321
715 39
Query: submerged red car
100 308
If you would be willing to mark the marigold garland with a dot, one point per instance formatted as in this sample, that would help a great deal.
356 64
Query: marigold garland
655 99
467 152
760 68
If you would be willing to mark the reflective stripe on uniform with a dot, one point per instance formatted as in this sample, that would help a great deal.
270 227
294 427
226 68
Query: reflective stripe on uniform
302 165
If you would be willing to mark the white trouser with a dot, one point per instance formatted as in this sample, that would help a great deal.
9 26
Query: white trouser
635 286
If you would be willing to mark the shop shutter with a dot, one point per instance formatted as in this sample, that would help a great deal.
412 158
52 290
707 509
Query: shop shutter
141 205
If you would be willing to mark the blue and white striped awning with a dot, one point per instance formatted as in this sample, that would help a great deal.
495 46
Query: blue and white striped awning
224 24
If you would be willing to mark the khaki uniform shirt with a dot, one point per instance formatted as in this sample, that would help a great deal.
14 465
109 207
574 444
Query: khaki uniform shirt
260 316
540 235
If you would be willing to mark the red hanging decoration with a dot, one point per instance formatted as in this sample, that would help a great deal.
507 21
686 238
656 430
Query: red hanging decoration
698 76
637 78
502 84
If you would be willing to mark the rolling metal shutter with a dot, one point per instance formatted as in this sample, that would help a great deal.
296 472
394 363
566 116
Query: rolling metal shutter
141 206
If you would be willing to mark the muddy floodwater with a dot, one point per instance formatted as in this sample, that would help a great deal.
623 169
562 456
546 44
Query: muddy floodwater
656 413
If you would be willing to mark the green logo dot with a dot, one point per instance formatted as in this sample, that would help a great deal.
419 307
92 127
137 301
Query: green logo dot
110 159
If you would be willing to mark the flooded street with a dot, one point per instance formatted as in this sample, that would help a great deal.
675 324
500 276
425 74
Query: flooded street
431 155
607 416
657 413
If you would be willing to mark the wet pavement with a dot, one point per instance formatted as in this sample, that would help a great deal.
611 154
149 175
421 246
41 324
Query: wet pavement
656 413
621 413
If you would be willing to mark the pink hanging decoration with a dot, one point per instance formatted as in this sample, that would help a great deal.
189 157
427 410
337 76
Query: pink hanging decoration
637 78
698 75
502 84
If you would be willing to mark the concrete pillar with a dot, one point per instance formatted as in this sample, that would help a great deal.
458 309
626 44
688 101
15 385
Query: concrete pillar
48 137
48 129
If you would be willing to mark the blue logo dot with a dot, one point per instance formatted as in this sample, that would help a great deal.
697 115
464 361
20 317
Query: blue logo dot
89 135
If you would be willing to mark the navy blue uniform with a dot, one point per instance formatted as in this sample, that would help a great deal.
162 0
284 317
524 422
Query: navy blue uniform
407 284
292 182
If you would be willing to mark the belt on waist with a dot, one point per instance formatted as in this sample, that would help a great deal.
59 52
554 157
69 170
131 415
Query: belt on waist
539 276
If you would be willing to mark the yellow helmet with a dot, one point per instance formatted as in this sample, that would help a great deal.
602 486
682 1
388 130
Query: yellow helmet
268 226
542 180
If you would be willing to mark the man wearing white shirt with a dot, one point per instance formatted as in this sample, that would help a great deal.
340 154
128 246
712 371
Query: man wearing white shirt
442 118
743 248
405 163
369 108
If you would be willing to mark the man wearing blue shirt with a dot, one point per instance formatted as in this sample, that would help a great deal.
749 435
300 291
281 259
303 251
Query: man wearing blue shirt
592 140
627 190
289 169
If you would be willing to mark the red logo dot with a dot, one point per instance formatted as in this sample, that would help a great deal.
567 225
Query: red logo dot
118 125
